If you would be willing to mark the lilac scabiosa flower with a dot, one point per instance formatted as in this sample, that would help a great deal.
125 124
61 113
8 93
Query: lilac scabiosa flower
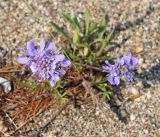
121 68
113 77
43 62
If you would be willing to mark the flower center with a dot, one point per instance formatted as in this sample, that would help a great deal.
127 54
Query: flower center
43 63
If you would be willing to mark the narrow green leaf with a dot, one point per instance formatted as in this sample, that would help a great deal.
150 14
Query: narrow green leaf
101 28
87 21
72 21
76 22
69 52
108 37
92 27
75 37
60 30
102 22
95 41
105 95
85 51
68 18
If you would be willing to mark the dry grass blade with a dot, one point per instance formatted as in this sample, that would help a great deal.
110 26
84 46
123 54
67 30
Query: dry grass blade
11 120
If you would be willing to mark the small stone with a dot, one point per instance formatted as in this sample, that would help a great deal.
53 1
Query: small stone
148 45
139 71
6 84
134 93
144 66
49 134
139 84
132 117
146 131
137 49
140 61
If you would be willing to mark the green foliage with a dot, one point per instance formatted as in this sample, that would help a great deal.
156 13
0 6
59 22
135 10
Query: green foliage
105 95
29 84
100 84
87 22
61 98
84 44
60 30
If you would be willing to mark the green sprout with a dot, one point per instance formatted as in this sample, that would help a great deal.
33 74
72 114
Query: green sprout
86 43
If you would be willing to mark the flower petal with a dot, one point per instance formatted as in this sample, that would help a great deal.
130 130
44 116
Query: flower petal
129 77
52 83
116 80
58 58
31 51
58 50
23 60
65 63
55 77
42 44
133 62
120 61
30 45
61 71
111 80
33 68
50 46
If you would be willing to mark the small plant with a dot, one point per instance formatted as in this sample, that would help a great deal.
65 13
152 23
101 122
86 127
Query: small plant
85 47
86 43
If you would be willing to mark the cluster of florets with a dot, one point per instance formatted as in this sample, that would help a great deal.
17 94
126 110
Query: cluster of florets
43 62
121 69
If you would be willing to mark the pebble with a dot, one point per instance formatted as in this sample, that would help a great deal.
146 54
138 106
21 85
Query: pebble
148 45
140 61
139 84
134 92
144 66
137 49
6 84
132 117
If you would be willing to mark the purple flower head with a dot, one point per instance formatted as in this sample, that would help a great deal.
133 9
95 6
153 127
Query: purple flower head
43 62
120 69
128 60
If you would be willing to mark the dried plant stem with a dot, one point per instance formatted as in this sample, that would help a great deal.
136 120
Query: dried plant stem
11 120
11 71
